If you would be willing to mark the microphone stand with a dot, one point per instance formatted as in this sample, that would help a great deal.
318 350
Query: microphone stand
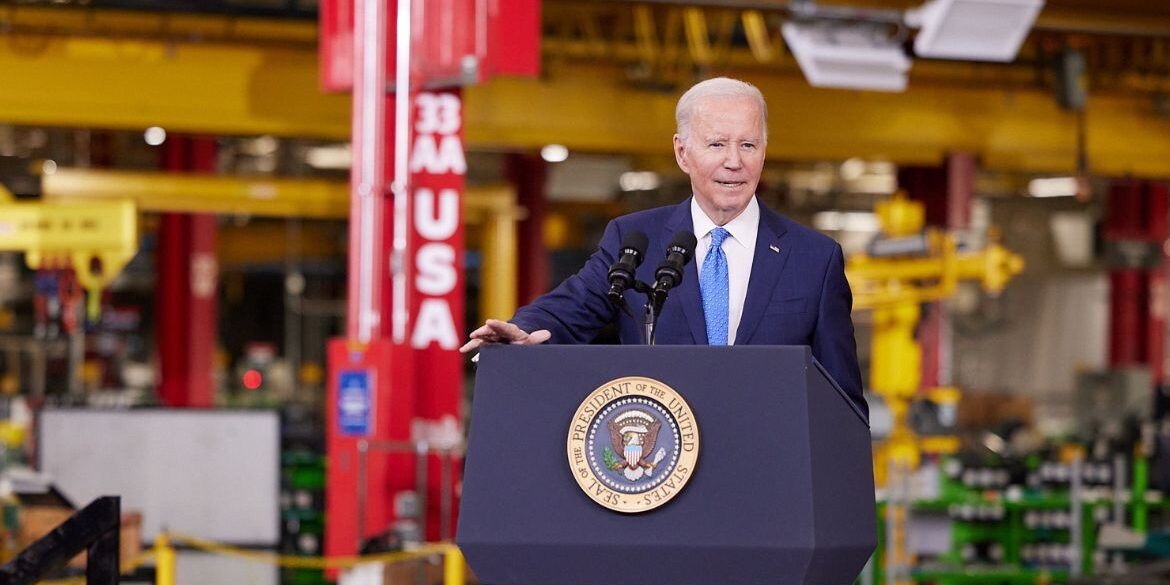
655 298
650 319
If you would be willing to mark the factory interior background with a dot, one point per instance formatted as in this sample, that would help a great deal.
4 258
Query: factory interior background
177 262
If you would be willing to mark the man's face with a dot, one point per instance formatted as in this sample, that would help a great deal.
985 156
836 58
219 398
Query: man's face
724 154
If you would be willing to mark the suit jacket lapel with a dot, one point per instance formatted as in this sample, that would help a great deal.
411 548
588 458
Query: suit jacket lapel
687 294
767 264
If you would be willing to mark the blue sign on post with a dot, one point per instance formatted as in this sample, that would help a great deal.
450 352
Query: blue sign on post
355 403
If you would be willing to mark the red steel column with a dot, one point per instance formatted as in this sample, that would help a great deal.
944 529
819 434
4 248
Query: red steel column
1158 207
527 172
371 407
185 297
399 362
1123 224
1135 234
1126 317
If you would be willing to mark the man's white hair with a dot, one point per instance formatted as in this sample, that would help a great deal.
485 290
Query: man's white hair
716 87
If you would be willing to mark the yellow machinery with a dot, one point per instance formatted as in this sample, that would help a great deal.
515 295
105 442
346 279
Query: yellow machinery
96 239
903 269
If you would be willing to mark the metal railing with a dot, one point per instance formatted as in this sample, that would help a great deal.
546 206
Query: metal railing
95 530
421 450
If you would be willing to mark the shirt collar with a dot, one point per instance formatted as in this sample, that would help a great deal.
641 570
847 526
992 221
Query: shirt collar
743 228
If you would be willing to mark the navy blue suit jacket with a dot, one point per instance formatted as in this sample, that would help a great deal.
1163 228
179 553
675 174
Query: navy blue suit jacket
797 294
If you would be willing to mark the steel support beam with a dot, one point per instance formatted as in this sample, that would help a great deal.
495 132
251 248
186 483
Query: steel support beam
205 88
234 89
493 208
203 193
186 300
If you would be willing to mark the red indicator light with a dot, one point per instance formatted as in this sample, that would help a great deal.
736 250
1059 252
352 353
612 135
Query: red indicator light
253 379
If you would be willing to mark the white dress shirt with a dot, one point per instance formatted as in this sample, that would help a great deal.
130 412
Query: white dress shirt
740 249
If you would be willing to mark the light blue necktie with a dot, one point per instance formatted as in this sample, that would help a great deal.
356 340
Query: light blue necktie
713 283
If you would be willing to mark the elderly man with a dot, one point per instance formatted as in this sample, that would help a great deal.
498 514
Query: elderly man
760 278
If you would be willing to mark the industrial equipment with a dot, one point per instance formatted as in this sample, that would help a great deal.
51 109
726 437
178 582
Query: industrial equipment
903 268
96 239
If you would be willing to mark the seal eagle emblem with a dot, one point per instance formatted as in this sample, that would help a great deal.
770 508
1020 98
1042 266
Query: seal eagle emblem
635 432
633 444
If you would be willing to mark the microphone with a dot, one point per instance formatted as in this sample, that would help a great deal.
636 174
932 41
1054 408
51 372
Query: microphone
630 256
678 253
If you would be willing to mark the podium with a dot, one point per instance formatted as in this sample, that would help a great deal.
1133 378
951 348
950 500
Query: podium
781 492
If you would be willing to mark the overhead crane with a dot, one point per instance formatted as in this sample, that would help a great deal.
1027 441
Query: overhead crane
74 194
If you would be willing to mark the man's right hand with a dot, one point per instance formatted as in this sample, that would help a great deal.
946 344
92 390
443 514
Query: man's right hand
495 331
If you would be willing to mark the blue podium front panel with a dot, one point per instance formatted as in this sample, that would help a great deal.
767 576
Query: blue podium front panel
774 497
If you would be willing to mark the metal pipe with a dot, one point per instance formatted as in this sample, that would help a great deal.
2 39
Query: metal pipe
1075 503
37 376
400 185
422 451
294 288
76 353
368 132
892 502
363 448
445 495
1119 489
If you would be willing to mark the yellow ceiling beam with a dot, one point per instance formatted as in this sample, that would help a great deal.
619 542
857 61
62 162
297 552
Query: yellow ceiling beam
589 108
169 192
198 193
248 90
104 82
91 22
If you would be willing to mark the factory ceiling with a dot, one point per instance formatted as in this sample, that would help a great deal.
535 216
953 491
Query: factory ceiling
610 72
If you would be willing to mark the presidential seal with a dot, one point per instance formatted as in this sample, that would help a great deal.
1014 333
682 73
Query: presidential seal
633 444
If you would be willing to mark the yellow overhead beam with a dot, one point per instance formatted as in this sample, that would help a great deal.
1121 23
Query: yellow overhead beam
203 193
249 90
107 22
594 109
103 82
170 192
493 207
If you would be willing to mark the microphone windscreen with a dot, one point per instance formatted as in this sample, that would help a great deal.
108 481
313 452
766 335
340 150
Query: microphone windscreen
685 241
638 241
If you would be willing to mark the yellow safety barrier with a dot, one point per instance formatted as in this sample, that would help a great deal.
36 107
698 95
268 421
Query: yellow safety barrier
163 553
165 560
301 562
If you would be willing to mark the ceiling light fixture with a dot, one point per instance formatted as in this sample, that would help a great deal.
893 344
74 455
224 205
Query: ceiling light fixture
975 30
847 56
854 48
1054 187
554 153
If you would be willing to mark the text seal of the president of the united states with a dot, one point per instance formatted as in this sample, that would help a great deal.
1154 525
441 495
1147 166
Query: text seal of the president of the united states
633 444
